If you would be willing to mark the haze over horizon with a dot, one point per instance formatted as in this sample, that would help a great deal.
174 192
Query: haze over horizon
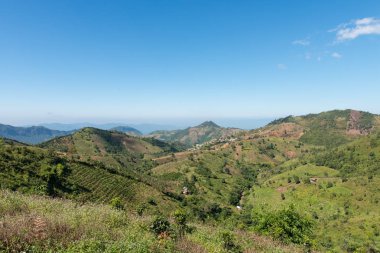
184 62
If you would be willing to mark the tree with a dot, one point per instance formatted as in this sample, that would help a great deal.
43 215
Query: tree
286 225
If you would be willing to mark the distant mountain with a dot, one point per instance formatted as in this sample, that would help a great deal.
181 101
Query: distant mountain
143 128
196 135
29 135
127 130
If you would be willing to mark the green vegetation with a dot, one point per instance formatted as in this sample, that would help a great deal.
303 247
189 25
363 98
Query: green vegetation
291 183
205 132
55 225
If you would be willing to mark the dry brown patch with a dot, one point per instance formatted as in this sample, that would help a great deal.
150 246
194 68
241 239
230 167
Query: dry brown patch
282 189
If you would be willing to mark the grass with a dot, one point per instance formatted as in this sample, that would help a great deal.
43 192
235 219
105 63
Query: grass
56 225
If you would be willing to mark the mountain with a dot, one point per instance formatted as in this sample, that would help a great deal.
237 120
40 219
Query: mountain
328 129
30 135
296 180
144 128
336 187
202 133
127 130
115 149
35 170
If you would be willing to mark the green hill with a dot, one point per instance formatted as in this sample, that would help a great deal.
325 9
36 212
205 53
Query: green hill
30 135
329 129
40 171
336 188
295 180
114 149
202 133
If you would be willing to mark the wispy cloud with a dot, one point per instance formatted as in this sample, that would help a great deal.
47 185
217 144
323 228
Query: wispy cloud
281 66
304 42
357 28
336 55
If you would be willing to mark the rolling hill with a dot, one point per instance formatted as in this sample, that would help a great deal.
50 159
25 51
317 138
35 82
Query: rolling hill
115 149
319 172
40 171
29 135
328 129
202 133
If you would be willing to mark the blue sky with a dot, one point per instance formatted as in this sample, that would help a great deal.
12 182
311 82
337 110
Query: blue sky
171 61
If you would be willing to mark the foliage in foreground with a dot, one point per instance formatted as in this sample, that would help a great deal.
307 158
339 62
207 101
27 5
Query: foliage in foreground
54 225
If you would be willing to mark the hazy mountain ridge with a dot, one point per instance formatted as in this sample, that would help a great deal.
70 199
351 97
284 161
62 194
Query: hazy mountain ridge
30 135
127 130
204 132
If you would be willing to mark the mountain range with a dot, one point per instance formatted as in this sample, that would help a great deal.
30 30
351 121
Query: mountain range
295 180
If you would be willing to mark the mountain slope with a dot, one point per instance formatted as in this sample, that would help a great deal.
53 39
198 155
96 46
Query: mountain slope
30 135
328 129
337 187
114 149
202 133
127 130
40 171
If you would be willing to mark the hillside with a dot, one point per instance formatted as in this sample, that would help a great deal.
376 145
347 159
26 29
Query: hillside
328 129
48 225
127 130
115 149
337 188
265 183
39 171
30 135
202 133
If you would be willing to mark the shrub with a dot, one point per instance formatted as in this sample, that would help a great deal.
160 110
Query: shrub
140 209
228 241
286 225
180 218
152 202
117 203
160 225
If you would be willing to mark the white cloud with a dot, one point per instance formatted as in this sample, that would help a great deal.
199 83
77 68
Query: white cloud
304 42
281 66
308 56
356 28
336 55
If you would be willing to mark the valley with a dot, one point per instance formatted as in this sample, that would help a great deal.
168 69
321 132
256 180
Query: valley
322 170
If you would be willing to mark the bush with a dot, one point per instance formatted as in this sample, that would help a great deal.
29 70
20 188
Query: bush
180 218
296 179
117 203
229 243
286 225
160 225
